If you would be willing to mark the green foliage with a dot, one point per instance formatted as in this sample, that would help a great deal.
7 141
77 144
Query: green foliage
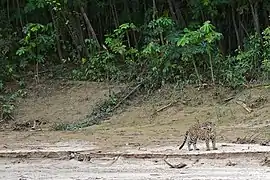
251 54
98 68
7 47
232 72
157 29
106 65
245 65
37 44
168 58
33 5
7 104
122 30
157 49
199 41
266 52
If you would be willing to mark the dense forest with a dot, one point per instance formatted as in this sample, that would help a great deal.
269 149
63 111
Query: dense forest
225 42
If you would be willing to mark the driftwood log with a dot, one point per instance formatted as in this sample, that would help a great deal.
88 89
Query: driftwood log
177 166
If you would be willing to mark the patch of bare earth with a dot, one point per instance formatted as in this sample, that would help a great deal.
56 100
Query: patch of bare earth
160 119
52 102
143 125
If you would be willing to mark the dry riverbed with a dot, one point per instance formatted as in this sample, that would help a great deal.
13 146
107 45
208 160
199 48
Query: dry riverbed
231 161
127 169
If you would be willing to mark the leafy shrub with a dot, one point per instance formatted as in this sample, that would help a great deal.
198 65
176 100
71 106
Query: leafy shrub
7 104
266 53
37 45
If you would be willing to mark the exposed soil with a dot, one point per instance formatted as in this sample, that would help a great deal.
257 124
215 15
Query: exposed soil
56 101
152 126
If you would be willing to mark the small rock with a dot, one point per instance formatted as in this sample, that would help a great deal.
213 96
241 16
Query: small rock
265 143
142 149
230 163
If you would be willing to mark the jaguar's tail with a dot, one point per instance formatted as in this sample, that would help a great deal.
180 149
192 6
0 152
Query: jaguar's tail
185 139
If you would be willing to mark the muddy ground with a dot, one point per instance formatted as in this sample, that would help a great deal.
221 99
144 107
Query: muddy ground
135 129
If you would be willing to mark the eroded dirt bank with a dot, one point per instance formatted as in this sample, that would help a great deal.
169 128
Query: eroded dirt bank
140 124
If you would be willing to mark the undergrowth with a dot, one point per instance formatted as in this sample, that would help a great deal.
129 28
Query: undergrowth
8 104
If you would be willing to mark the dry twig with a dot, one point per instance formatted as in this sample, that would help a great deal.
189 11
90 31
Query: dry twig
244 106
267 85
228 99
131 92
166 106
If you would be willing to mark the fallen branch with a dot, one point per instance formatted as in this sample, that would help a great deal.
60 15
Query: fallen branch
131 92
228 99
257 85
244 106
164 107
178 166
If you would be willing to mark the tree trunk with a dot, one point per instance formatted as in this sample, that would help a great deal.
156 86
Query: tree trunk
146 18
72 33
230 37
266 17
254 11
196 70
114 15
101 32
19 13
89 27
240 30
179 14
211 66
56 26
172 10
243 27
154 9
79 30
127 11
235 28
8 13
